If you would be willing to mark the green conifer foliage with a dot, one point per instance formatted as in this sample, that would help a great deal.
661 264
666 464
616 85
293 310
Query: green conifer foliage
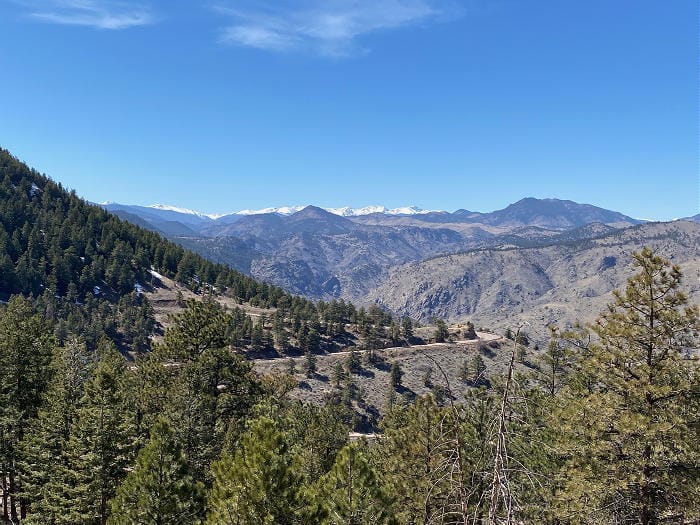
630 420
351 492
26 345
411 456
46 463
159 490
102 442
260 483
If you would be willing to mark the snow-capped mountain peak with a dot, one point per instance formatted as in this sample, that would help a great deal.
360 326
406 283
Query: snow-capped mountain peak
283 210
185 211
345 211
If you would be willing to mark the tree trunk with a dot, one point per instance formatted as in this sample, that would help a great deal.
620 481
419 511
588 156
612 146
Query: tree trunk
13 497
646 514
3 474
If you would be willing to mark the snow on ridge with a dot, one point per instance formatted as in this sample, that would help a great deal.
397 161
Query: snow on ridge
185 211
283 210
345 211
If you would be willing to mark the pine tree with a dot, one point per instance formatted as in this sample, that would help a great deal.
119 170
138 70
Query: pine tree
202 325
477 368
352 362
26 345
555 366
260 483
630 420
159 490
351 492
309 364
46 468
469 331
207 397
102 442
411 458
407 328
441 332
338 374
395 375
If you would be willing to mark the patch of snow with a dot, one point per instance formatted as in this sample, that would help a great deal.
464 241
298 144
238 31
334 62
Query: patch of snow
283 210
156 274
34 190
345 211
185 211
355 212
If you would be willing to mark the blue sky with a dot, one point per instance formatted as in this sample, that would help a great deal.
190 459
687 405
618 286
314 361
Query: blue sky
229 104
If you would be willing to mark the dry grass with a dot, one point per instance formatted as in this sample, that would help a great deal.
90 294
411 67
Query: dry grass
373 380
163 296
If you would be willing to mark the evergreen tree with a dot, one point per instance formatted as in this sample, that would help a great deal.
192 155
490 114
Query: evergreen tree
407 328
351 492
477 368
159 490
411 458
309 364
49 483
352 363
630 420
469 332
555 366
26 345
441 332
201 326
260 483
102 442
316 434
395 375
338 374
210 397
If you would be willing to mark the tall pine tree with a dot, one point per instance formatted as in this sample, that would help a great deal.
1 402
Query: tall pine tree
26 345
630 420
159 490
260 483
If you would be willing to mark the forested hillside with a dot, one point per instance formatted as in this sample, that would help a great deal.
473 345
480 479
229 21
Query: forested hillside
85 268
53 240
599 427
601 431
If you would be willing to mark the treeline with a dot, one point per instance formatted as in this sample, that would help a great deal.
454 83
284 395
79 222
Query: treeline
605 431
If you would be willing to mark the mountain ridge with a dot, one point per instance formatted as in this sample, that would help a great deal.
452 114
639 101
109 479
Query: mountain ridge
549 213
561 283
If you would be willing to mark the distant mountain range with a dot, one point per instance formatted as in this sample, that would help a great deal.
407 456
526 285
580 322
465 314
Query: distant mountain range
552 214
527 261
345 211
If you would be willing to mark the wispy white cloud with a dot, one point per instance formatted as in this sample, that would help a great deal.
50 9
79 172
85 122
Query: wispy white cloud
100 14
327 27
